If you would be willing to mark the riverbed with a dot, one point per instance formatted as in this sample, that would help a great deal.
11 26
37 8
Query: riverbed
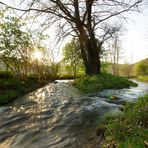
59 116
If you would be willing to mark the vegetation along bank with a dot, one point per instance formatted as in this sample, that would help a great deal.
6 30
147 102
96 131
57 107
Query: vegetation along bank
128 129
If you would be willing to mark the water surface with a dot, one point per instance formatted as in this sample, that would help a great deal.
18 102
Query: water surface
58 116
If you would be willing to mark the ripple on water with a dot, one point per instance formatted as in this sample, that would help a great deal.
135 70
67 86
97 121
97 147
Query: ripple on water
57 116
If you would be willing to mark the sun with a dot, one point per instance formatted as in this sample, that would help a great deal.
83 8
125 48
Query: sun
37 55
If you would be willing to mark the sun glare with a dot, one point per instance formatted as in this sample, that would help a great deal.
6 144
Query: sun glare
37 55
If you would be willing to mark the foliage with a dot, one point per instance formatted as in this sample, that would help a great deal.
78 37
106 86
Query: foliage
8 96
33 77
5 74
13 84
127 130
89 84
67 76
125 69
54 69
141 68
15 44
72 56
11 87
143 78
105 67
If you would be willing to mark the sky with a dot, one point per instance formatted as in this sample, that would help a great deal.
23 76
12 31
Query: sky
135 39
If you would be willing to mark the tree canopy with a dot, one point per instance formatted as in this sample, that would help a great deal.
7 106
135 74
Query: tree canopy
87 19
14 44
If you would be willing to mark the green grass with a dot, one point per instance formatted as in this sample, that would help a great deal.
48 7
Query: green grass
90 84
7 96
127 130
143 78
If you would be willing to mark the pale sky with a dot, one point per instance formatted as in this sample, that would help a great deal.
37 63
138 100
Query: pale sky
135 39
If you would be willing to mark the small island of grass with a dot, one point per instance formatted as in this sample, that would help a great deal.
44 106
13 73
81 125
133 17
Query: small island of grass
90 84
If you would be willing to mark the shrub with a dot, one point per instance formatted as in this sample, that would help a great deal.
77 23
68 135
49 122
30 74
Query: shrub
89 84
143 78
8 96
5 74
33 77
67 76
10 88
11 84
141 68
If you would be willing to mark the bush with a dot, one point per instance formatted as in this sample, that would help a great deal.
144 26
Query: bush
11 88
33 77
5 74
67 76
141 68
127 130
11 84
8 96
89 84
143 78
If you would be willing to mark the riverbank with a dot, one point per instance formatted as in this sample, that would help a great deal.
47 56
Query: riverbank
127 129
91 84
12 87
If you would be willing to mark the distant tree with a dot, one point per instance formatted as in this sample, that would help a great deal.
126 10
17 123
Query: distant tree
115 53
105 67
141 68
72 56
126 70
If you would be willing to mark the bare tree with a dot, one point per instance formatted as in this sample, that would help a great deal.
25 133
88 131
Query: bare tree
86 18
115 53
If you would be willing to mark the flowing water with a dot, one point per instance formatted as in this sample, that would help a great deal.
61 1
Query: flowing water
58 116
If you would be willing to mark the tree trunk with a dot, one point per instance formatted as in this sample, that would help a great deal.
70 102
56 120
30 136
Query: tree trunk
90 53
93 58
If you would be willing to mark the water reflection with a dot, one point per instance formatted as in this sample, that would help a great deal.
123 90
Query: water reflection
56 116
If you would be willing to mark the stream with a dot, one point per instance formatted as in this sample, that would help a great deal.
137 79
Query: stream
58 116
